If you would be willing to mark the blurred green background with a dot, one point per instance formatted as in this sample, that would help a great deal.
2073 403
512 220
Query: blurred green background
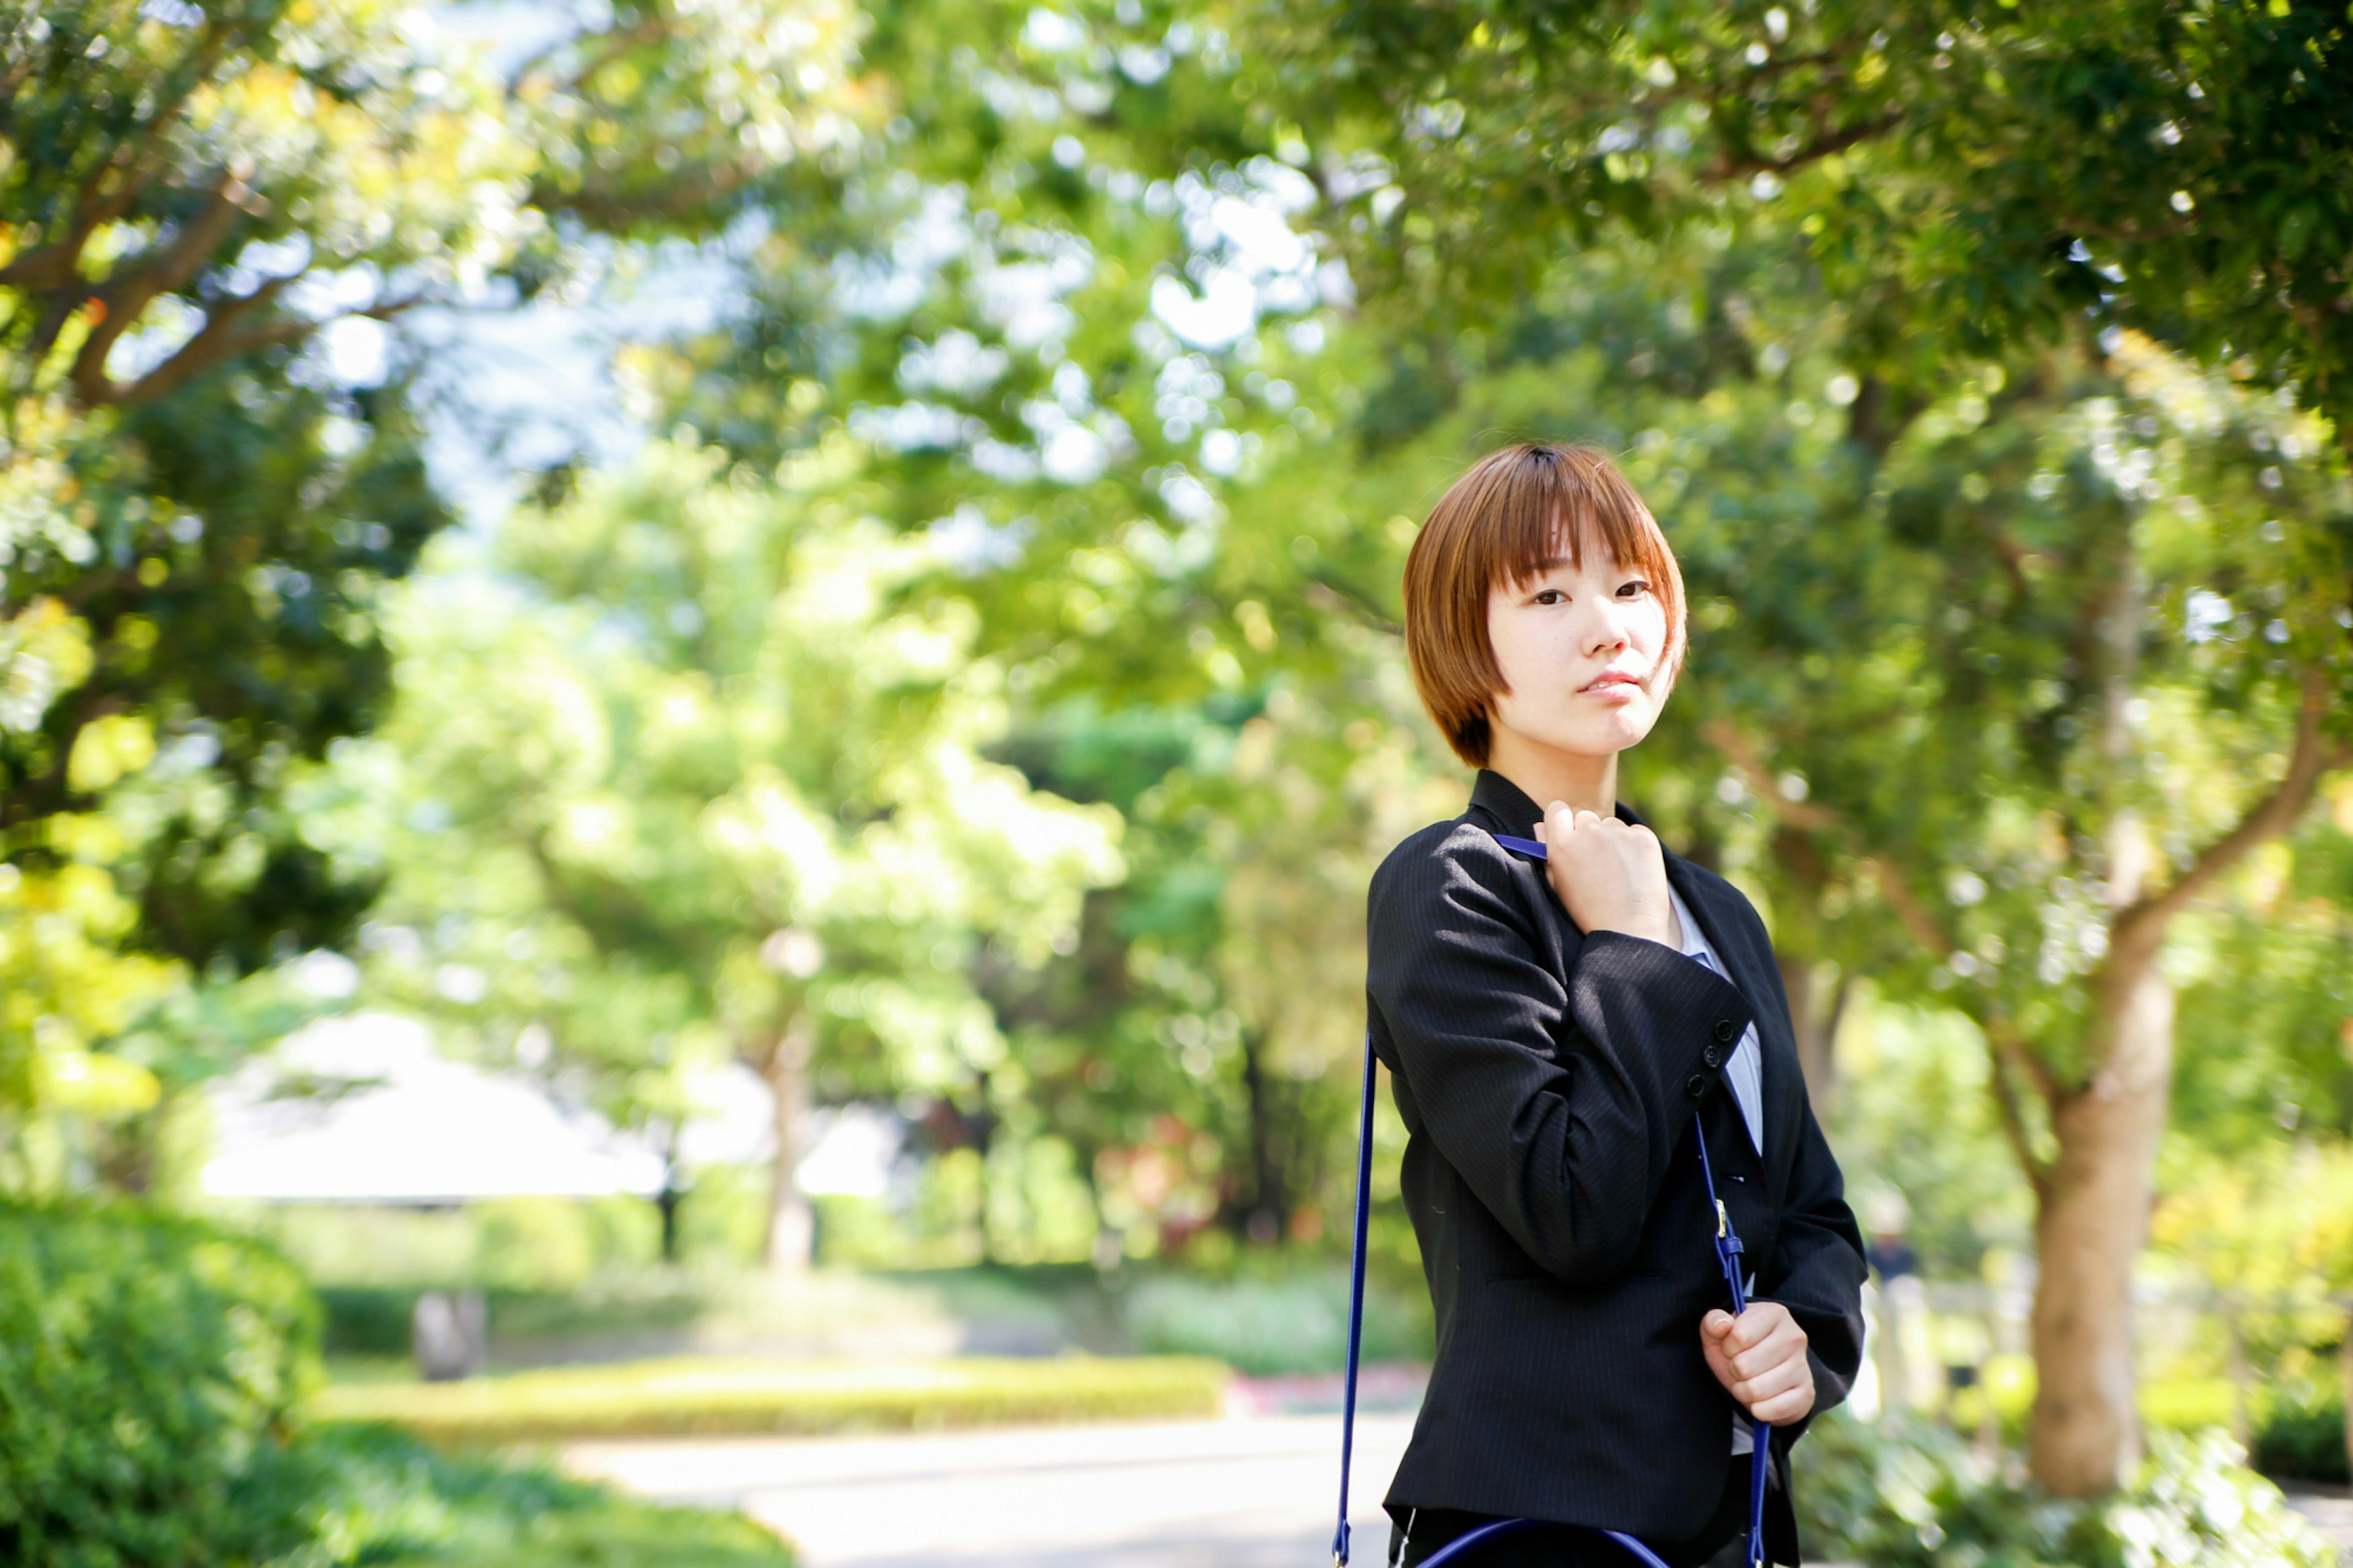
718 679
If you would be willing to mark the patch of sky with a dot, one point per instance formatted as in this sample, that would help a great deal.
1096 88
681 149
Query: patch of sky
265 259
956 362
1222 452
513 33
512 392
1052 32
913 427
1071 388
2204 614
1004 462
1259 241
1224 311
971 544
163 331
1143 64
1247 261
1358 173
1189 500
1024 300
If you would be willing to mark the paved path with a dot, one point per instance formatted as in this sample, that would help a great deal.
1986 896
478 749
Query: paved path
1069 1497
2330 1509
1064 1496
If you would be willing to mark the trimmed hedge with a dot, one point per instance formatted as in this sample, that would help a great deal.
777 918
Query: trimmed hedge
151 1367
711 1395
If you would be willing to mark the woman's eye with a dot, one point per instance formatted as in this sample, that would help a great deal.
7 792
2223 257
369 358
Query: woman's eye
1551 597
1636 588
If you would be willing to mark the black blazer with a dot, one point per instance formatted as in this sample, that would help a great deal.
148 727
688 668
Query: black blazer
1549 1082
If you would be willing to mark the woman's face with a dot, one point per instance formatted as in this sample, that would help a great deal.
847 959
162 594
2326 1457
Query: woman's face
1583 654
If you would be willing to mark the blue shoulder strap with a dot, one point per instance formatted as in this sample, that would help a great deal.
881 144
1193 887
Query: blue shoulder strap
1727 1256
1355 1303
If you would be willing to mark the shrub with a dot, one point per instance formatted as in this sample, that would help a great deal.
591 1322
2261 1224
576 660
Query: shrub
1909 1495
392 1501
366 1319
1272 1326
2303 1440
711 1394
150 1369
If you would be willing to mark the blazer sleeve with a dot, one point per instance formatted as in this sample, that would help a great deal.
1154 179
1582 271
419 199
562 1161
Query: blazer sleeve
1559 1104
1816 1270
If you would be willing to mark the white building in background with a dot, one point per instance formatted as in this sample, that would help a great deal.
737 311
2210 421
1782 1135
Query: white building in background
363 1109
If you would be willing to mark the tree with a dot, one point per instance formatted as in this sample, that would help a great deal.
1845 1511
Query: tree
211 214
698 775
1004 351
1969 185
1979 172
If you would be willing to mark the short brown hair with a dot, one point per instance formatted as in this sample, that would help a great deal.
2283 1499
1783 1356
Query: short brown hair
1506 521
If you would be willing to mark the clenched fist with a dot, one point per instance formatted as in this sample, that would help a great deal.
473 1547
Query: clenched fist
1760 1358
1609 875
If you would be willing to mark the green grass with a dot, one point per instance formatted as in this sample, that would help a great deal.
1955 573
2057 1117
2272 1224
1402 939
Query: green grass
713 1395
392 1503
1298 1323
2166 1404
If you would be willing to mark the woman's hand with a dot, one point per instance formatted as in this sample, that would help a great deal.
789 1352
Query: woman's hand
1760 1358
1610 875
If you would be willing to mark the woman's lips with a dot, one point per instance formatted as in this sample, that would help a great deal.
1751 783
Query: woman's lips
1614 687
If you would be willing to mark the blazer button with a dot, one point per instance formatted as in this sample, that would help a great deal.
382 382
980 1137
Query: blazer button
1713 1056
1724 1031
1696 1087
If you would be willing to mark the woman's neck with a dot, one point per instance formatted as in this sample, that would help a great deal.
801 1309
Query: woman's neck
1546 774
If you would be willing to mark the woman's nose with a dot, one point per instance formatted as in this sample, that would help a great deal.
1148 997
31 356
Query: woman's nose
1604 635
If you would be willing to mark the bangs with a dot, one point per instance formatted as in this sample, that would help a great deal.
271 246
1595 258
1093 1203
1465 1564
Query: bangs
1549 509
1514 516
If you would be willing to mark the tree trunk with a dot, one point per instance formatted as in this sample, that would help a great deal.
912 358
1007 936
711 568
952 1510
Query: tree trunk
980 1128
2092 1219
2345 1385
2093 1201
1814 1012
792 1227
1262 1220
666 1204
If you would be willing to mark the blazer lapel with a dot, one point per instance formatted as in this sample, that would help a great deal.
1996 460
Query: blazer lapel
1500 805
1758 980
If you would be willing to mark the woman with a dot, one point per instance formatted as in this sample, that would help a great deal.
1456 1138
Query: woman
1556 1030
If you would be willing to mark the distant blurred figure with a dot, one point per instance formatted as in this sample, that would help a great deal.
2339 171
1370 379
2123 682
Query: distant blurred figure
448 1331
1887 1219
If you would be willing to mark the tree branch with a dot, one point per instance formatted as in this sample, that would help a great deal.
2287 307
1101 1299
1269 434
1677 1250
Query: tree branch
1825 142
2010 1047
57 265
1735 744
2036 1168
610 204
2141 924
1326 594
217 343
126 299
1909 911
1741 751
